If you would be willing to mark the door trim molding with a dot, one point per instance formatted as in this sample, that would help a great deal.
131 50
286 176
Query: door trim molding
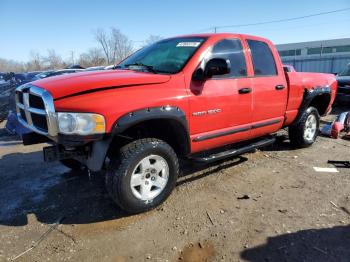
235 130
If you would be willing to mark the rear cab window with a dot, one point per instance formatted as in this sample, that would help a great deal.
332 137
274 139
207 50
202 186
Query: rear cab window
264 63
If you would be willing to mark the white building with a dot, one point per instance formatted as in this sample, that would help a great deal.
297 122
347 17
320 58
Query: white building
329 56
315 48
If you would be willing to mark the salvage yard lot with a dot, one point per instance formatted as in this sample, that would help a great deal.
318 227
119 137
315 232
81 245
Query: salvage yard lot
265 206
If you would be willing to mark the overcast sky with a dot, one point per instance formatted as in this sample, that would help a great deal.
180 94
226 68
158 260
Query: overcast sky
68 25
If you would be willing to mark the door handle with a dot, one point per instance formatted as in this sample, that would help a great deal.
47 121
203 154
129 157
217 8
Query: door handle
279 87
245 90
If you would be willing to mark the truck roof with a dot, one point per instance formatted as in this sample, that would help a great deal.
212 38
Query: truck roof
224 35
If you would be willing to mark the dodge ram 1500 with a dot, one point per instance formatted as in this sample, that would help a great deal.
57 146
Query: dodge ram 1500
202 97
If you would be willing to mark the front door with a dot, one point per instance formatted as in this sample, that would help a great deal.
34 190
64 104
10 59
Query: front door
221 107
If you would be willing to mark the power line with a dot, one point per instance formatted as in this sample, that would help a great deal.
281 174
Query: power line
215 28
281 28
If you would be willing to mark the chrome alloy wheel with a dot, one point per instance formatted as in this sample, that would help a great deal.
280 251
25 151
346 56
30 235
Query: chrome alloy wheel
149 177
310 128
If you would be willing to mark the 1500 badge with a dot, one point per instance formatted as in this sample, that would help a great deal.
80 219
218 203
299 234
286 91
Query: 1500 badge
209 112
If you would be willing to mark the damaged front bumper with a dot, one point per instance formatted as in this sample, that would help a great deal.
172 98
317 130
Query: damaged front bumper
36 111
57 152
92 155
89 150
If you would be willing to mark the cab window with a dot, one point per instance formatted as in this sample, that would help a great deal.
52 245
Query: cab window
263 61
232 50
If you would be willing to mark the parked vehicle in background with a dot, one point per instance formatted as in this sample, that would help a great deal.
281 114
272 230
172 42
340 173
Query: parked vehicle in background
56 73
343 78
201 97
31 75
109 67
2 80
74 67
95 68
21 78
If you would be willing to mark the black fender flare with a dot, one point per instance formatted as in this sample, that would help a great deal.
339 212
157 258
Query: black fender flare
168 112
99 150
150 113
309 95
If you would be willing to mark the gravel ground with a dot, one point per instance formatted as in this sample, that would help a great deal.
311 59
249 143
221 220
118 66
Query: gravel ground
265 206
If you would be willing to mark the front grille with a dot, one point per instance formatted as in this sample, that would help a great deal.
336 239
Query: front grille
23 115
35 110
36 102
20 97
39 121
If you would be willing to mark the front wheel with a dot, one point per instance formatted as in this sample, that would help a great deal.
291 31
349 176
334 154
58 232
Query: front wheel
143 176
305 131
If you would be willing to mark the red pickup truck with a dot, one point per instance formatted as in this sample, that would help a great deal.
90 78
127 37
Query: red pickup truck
203 97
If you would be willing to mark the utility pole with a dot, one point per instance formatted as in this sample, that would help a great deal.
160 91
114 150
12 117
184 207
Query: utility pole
72 57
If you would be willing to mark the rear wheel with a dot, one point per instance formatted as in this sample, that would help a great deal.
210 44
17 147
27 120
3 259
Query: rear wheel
304 133
143 176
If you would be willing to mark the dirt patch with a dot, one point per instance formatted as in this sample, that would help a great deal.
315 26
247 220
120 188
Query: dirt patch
199 252
81 230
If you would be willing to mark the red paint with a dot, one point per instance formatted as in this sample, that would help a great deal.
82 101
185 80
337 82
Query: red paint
138 90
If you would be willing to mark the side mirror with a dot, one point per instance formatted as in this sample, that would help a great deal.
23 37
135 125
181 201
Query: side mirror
198 75
217 66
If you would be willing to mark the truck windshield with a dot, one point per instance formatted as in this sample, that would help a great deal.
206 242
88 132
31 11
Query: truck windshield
167 56
346 72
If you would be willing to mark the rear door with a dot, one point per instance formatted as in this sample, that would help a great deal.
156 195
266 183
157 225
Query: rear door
270 90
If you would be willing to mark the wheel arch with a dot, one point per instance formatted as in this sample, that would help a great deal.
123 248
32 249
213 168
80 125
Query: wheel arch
168 123
318 97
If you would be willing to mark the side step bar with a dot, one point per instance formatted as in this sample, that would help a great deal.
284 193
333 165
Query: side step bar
236 151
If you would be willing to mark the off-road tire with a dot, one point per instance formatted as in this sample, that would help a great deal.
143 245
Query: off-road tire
119 173
297 130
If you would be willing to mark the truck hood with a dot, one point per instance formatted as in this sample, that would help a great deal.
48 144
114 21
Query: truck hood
85 82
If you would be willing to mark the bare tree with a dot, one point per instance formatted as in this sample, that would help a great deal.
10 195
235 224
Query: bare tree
53 60
7 65
93 57
152 39
102 39
35 62
115 45
123 47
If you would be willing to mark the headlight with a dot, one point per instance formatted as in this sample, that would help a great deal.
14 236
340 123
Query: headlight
81 123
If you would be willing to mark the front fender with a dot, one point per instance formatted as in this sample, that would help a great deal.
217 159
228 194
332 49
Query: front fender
138 116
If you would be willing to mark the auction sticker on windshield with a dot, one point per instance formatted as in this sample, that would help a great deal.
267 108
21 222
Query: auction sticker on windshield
188 44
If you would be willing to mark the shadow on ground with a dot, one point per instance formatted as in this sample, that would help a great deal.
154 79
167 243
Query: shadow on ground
51 192
321 245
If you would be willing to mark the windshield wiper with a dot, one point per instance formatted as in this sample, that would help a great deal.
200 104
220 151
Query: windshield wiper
148 67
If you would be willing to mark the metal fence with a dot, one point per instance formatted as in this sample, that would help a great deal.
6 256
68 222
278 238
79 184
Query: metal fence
322 64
